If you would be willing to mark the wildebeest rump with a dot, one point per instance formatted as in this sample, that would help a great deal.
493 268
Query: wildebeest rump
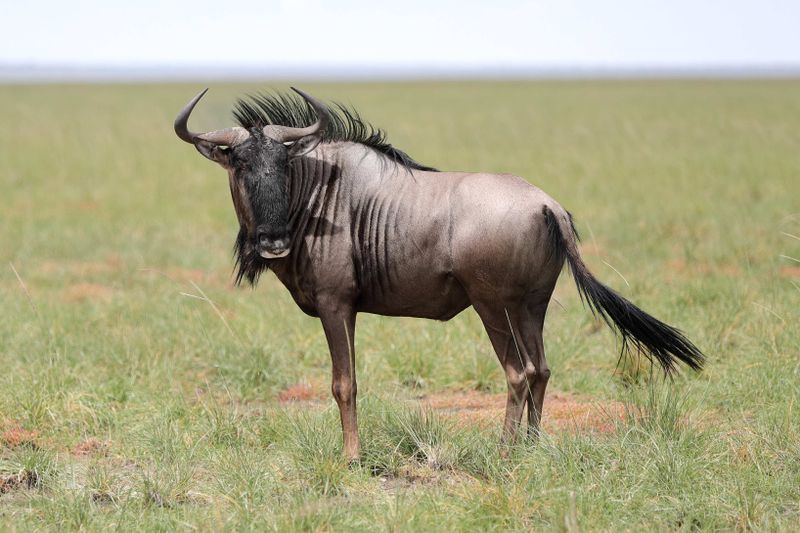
350 224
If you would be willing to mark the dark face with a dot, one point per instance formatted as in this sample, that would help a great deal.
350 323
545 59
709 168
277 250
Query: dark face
257 172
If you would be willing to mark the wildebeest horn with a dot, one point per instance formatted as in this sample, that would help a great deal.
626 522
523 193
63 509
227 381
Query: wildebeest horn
227 137
286 134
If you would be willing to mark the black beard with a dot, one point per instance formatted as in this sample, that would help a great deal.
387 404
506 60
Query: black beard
248 262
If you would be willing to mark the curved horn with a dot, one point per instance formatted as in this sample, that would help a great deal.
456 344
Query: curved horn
181 121
286 134
227 137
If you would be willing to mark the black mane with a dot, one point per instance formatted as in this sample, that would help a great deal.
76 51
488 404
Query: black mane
346 124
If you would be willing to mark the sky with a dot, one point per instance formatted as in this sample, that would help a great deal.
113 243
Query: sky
402 34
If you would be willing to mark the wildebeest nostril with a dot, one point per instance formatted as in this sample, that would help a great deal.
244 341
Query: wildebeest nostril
269 242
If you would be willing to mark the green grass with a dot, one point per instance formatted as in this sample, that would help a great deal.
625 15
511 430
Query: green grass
689 189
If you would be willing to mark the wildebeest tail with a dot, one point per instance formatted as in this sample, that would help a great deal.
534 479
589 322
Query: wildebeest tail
655 339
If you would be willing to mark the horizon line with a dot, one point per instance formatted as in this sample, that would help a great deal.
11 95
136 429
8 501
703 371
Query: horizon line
32 72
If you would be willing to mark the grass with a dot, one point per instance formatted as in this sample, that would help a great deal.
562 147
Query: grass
139 390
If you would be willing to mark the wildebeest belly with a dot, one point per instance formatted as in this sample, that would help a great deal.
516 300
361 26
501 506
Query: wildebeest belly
420 294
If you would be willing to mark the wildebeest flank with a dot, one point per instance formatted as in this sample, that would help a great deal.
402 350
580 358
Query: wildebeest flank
350 224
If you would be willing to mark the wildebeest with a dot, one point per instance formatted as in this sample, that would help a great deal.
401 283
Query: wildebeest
350 224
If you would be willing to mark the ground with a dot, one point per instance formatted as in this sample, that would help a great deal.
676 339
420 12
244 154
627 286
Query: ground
564 411
140 390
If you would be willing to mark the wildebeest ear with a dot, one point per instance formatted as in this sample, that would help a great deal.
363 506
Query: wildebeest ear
213 152
304 145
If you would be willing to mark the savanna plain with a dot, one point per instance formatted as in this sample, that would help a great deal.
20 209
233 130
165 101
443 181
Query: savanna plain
140 390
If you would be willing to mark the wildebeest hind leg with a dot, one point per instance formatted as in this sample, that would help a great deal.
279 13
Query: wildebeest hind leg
531 332
502 325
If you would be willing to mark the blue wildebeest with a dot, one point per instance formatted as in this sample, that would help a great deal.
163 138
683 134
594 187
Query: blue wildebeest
350 224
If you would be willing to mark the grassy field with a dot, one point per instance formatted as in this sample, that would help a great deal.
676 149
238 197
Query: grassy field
139 390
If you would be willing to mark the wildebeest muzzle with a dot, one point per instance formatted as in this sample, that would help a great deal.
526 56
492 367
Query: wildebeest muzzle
270 246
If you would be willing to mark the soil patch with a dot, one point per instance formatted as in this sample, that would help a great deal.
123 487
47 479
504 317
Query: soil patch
80 292
790 272
91 446
189 274
680 266
83 268
562 411
23 480
15 437
300 392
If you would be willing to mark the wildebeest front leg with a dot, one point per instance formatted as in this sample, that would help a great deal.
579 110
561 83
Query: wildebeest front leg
339 324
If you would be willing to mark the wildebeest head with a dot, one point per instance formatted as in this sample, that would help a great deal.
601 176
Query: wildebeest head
257 162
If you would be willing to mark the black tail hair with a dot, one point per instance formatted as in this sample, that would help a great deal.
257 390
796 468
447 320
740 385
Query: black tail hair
655 339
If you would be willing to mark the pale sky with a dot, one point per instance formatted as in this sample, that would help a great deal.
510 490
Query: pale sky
403 33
